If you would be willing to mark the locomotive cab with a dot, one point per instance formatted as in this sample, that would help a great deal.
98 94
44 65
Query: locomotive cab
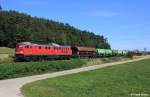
21 47
20 50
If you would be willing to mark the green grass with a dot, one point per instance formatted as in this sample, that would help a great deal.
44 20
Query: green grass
96 61
114 81
13 70
6 54
10 69
5 50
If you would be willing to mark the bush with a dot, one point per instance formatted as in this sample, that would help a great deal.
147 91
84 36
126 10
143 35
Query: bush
12 70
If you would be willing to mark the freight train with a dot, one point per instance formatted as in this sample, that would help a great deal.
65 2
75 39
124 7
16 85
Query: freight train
29 51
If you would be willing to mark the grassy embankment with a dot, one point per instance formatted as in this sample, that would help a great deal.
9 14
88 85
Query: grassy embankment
13 70
115 81
6 54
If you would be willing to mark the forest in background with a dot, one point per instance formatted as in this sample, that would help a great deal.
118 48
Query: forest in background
18 27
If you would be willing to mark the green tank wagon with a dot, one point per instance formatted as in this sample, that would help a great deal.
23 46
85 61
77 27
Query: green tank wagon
100 51
115 52
125 52
104 52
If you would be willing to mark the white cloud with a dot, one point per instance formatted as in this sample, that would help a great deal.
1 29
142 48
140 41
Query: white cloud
102 14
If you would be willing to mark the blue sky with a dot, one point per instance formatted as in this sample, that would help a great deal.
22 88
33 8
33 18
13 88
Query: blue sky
126 23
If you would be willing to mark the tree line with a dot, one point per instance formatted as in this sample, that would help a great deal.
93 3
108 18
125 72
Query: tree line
18 27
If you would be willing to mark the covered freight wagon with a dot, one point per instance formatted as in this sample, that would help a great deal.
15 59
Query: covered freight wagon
83 51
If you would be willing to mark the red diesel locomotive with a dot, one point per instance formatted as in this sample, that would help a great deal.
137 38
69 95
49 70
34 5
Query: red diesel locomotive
27 51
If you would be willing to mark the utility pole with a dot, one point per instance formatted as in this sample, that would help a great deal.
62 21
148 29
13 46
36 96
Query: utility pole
145 51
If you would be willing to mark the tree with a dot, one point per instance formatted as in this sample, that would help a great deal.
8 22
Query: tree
17 27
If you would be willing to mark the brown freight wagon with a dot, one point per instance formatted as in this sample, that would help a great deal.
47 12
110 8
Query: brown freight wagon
136 53
84 51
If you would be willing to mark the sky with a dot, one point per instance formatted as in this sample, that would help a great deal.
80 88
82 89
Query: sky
125 23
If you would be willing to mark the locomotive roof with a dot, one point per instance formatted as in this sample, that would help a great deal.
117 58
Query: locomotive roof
49 44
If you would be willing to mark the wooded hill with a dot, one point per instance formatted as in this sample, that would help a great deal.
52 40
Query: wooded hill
17 27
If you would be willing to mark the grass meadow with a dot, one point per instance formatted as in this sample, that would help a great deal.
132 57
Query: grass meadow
6 54
116 81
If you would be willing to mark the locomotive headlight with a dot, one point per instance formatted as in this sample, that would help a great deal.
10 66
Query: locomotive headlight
21 52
